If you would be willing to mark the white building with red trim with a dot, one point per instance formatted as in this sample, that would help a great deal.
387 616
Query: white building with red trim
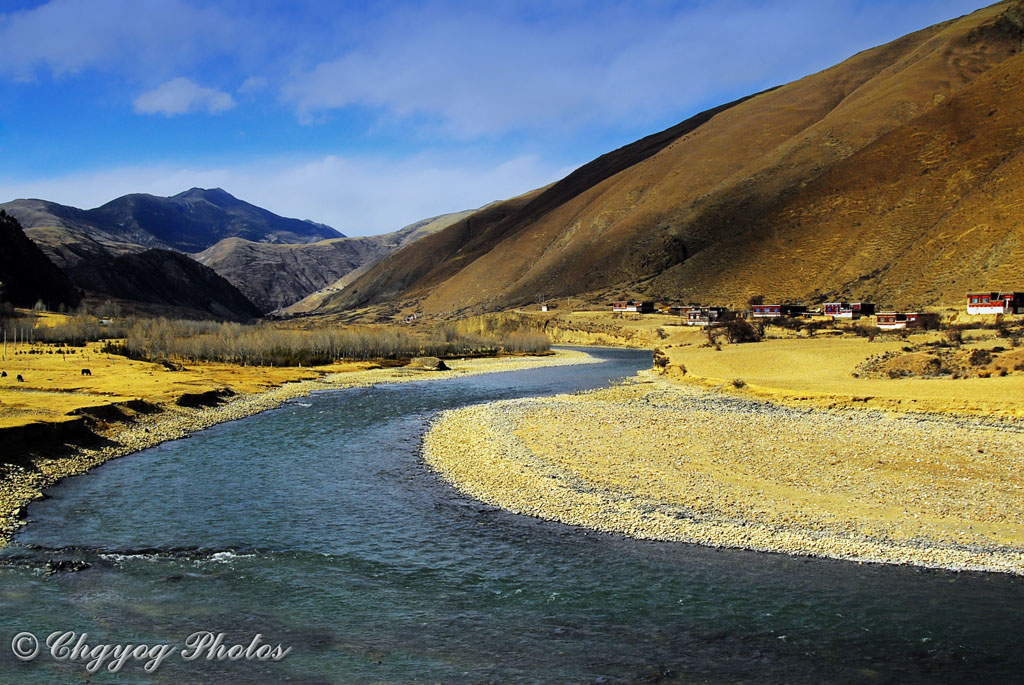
894 320
995 303
849 310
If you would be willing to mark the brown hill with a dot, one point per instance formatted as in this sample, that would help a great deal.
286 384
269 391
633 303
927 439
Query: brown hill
26 275
896 176
405 237
274 276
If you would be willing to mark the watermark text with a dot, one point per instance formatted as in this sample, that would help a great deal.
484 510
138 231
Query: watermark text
204 645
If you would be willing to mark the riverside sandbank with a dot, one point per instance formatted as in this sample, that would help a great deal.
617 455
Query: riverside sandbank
656 460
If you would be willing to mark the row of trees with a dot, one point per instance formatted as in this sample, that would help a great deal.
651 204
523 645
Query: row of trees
267 345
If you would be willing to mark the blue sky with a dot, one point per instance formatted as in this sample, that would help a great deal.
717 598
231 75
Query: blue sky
370 115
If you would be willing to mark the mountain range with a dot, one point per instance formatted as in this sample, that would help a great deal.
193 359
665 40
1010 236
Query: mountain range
134 248
896 176
279 276
187 222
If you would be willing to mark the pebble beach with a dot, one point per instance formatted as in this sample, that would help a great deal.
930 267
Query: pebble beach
20 485
652 459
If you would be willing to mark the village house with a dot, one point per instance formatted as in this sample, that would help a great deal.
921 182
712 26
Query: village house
680 310
633 306
995 303
774 311
704 316
894 320
849 310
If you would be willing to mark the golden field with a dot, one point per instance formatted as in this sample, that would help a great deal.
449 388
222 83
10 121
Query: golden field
818 372
811 370
54 386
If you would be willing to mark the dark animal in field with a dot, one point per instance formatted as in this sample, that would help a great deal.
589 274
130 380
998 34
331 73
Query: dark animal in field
3 374
20 379
86 372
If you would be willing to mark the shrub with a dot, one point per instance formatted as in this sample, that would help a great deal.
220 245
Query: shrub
866 331
788 323
980 357
813 327
742 331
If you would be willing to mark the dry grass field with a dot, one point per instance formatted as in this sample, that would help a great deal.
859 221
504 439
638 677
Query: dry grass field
54 386
819 371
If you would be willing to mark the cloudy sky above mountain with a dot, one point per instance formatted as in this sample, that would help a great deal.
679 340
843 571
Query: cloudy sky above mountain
368 116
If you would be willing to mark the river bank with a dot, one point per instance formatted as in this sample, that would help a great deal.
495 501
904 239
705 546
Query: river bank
658 460
21 484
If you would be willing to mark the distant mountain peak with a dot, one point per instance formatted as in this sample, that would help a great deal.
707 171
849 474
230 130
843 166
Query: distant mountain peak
217 196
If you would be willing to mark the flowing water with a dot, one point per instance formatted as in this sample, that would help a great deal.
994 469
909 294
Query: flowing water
316 527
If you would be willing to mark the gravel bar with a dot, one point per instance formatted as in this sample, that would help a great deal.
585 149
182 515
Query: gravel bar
655 460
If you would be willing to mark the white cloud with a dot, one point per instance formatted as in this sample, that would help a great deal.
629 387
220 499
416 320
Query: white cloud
357 196
463 69
124 36
253 84
181 96
480 72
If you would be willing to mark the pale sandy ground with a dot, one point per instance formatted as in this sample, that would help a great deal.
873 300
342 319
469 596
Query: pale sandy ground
20 485
916 471
656 460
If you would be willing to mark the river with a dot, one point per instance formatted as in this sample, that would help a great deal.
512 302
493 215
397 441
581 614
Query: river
316 527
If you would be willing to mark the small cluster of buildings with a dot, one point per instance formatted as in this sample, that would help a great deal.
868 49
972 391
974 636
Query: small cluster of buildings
696 315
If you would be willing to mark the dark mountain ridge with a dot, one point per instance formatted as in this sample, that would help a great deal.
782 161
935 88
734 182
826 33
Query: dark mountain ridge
26 275
188 222
164 277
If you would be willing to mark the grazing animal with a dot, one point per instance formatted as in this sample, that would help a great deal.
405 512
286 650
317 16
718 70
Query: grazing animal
3 374
86 372
20 379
